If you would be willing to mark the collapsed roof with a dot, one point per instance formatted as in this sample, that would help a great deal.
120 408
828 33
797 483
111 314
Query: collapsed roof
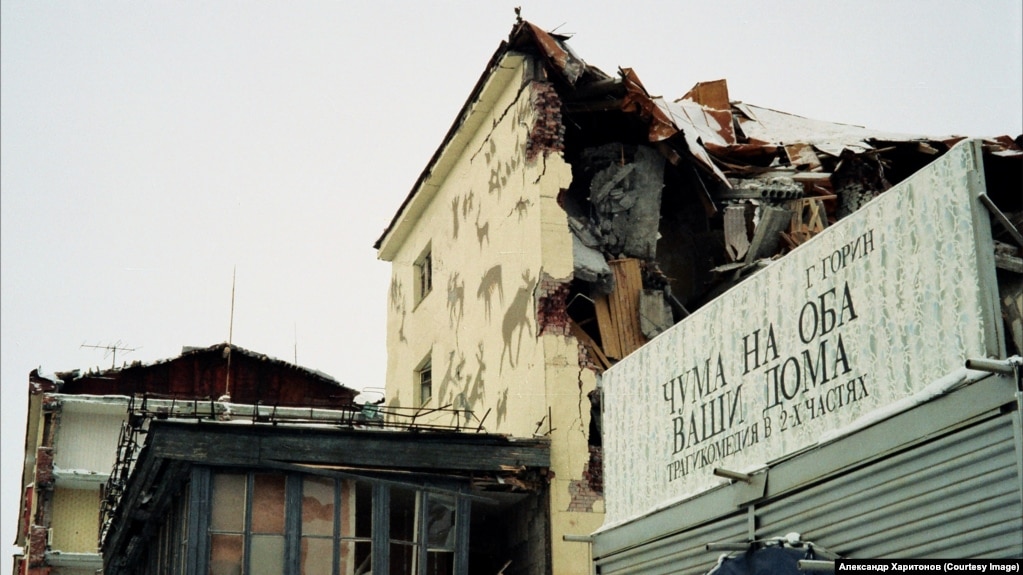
699 192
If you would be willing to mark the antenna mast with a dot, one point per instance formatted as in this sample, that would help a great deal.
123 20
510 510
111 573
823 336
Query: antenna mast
230 339
112 350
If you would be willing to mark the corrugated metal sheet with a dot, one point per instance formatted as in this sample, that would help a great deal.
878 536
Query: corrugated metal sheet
953 497
681 553
953 492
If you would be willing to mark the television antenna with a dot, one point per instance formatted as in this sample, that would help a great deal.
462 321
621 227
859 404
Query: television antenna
111 350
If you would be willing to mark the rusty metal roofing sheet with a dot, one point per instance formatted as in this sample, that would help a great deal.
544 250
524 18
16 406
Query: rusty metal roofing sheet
564 60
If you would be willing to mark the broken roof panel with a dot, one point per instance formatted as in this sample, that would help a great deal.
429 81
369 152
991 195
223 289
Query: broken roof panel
774 127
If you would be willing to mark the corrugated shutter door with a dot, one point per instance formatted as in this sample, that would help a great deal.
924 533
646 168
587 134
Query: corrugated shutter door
680 553
955 496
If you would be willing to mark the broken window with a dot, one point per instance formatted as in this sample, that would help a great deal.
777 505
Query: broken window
424 274
422 539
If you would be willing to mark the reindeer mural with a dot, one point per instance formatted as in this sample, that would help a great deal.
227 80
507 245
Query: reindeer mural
454 217
490 283
482 232
467 204
521 207
517 317
456 299
476 391
451 378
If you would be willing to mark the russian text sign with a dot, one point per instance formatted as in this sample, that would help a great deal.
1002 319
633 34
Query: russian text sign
870 311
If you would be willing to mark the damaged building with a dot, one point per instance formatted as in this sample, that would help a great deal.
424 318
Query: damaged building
569 217
223 461
80 441
862 395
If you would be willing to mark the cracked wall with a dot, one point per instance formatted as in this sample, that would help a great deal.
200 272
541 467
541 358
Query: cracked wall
495 324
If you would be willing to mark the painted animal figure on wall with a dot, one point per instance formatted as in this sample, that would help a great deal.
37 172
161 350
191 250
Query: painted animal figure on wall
456 299
482 232
490 283
517 318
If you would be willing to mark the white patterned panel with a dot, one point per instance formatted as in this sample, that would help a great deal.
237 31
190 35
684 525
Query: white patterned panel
896 289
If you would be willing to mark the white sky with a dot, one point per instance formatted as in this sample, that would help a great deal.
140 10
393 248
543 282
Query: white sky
150 148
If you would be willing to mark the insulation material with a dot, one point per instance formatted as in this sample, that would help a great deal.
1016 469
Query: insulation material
654 313
590 266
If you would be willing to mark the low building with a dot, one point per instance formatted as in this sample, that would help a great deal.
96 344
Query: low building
325 492
78 438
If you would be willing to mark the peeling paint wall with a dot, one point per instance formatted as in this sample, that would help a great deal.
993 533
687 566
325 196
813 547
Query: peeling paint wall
494 325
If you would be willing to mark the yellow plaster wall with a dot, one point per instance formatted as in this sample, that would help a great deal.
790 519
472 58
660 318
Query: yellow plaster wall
495 230
75 523
478 323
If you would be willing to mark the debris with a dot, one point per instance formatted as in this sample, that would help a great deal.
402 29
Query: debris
618 312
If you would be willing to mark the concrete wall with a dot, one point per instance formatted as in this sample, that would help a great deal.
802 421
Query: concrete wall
75 520
87 437
494 324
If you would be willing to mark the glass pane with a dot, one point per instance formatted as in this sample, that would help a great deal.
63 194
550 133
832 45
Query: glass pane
267 555
440 563
402 559
403 515
268 504
228 513
363 508
317 506
226 554
440 522
317 556
356 557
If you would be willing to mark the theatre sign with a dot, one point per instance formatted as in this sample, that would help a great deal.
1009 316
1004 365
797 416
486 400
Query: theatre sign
870 311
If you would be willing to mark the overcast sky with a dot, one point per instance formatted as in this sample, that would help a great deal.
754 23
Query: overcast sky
150 148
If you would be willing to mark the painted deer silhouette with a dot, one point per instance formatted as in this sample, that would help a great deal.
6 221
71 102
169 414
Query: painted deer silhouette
456 299
490 283
516 317
482 232
476 391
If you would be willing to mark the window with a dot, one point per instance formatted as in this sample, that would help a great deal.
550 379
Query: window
424 381
423 281
303 524
422 537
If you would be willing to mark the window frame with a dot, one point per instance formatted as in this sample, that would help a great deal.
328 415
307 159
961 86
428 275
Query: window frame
198 517
422 280
423 380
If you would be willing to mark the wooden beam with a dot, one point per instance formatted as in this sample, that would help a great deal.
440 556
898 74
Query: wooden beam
253 445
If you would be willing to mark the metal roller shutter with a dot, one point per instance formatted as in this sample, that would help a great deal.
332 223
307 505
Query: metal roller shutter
679 553
954 496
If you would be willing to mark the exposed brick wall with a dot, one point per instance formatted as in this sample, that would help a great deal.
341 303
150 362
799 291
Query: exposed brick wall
551 308
37 546
44 467
594 473
590 489
548 133
586 359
